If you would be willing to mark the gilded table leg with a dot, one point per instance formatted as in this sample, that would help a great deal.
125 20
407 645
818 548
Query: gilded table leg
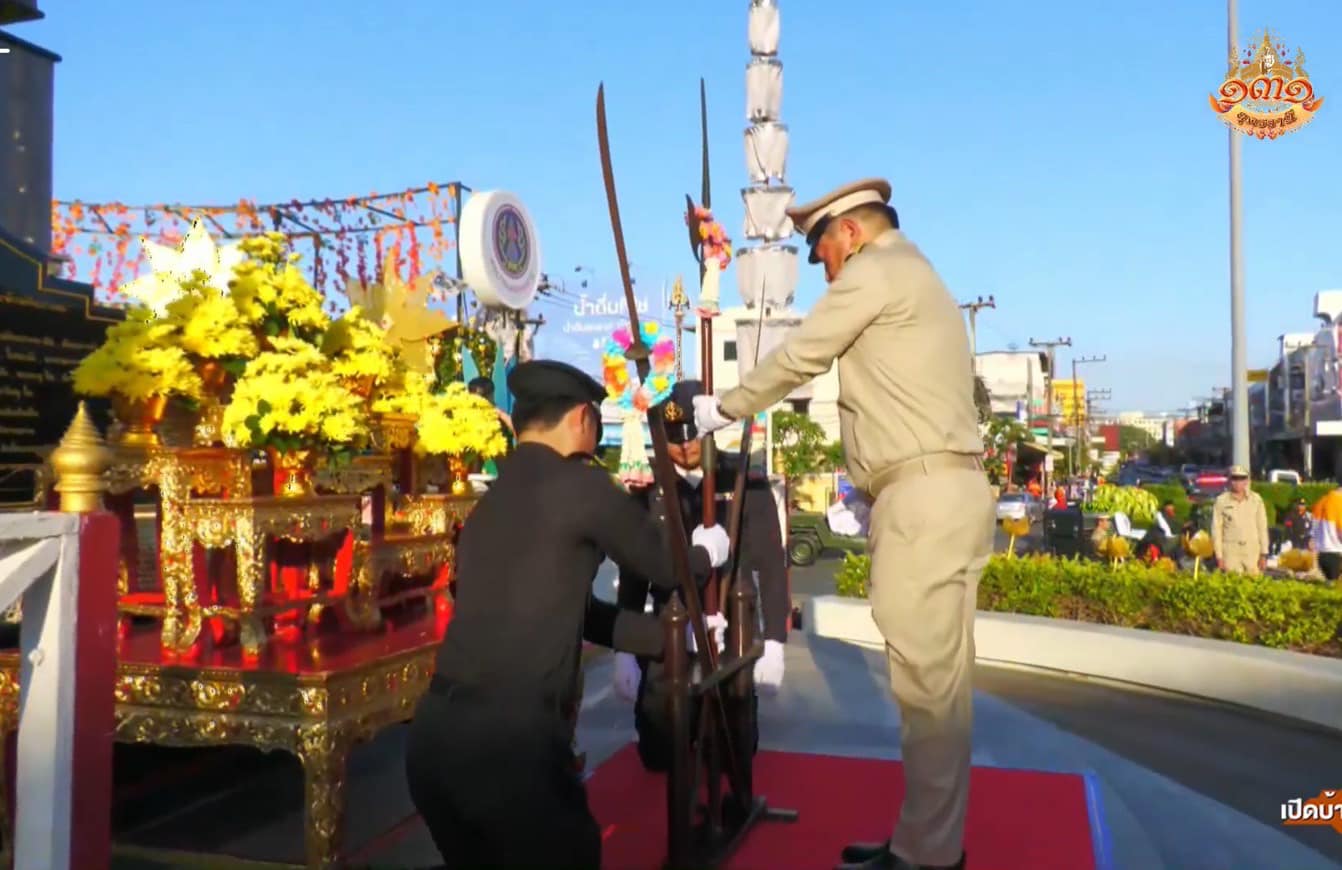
323 753
175 567
250 548
361 601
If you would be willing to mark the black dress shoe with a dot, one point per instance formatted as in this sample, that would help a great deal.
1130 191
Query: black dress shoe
877 856
855 853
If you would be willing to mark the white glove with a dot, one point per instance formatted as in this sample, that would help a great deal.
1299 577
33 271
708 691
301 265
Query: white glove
627 676
715 624
707 417
769 667
713 539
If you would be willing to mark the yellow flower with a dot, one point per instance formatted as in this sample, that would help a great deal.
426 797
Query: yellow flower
359 347
289 397
207 324
457 422
137 360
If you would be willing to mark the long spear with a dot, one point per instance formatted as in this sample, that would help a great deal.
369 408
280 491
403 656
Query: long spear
708 446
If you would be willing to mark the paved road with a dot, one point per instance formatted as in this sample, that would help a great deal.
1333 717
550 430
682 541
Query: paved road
1240 765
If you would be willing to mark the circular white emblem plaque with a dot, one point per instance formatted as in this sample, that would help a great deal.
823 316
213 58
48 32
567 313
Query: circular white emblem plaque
500 254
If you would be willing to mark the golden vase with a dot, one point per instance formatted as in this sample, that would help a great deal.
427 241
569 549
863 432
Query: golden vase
461 484
293 471
139 417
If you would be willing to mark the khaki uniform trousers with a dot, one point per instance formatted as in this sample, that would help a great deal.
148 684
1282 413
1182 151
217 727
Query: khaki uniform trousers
931 536
1240 558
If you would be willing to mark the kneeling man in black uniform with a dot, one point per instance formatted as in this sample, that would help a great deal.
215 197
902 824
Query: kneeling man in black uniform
641 679
490 763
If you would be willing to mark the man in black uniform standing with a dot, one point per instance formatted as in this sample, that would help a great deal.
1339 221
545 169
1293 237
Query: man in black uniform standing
489 763
762 555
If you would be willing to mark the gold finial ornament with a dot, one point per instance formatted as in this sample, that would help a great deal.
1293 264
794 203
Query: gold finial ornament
79 463
680 303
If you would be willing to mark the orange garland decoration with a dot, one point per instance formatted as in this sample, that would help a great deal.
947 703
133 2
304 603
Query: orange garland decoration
100 242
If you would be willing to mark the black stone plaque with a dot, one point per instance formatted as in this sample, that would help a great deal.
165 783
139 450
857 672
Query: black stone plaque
47 326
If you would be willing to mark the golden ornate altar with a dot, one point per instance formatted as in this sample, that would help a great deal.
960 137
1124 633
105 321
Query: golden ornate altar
315 695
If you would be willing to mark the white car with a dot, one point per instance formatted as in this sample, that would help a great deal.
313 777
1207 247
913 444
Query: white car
1020 504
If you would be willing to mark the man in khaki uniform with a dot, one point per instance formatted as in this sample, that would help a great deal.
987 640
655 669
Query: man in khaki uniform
910 434
1239 526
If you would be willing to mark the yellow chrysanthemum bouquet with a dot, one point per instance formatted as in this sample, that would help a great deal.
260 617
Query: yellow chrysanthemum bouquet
290 399
207 325
360 353
404 392
458 423
271 294
137 362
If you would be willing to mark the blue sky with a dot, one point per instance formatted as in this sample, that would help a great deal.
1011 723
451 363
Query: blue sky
1060 156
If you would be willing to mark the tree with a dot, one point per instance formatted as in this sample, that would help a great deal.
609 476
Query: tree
801 443
1003 434
1132 440
983 400
834 455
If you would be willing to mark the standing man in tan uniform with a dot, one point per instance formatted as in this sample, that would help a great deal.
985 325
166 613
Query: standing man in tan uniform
1239 526
910 433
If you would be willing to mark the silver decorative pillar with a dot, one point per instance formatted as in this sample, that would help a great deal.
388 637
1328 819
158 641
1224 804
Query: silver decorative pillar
766 271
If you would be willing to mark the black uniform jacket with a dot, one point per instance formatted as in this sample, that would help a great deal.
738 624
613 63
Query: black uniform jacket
761 543
526 558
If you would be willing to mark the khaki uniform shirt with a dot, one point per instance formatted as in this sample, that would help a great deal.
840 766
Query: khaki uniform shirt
906 380
1239 528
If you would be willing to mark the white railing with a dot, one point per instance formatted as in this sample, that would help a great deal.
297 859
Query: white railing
39 563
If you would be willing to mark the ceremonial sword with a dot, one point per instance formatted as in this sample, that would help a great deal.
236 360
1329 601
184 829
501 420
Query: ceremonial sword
705 650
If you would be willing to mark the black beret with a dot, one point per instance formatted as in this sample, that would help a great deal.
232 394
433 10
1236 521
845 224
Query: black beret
678 411
545 380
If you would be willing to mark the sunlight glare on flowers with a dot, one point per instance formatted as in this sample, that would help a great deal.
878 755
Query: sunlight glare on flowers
171 267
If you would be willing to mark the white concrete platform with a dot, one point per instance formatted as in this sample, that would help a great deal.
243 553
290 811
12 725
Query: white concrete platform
1280 682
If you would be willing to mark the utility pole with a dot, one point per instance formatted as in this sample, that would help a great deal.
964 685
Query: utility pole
1077 408
1051 347
974 308
1239 366
1093 396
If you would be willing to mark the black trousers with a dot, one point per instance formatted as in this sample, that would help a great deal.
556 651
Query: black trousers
653 724
1331 565
495 782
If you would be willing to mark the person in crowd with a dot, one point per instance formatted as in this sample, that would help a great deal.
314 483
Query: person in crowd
1298 526
1103 532
763 562
1239 526
489 758
911 437
1328 533
1159 540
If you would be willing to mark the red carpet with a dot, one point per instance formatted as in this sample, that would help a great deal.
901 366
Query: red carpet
1017 818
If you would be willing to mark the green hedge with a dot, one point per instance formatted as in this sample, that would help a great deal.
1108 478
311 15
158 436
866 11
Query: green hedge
1286 614
1175 494
1278 497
